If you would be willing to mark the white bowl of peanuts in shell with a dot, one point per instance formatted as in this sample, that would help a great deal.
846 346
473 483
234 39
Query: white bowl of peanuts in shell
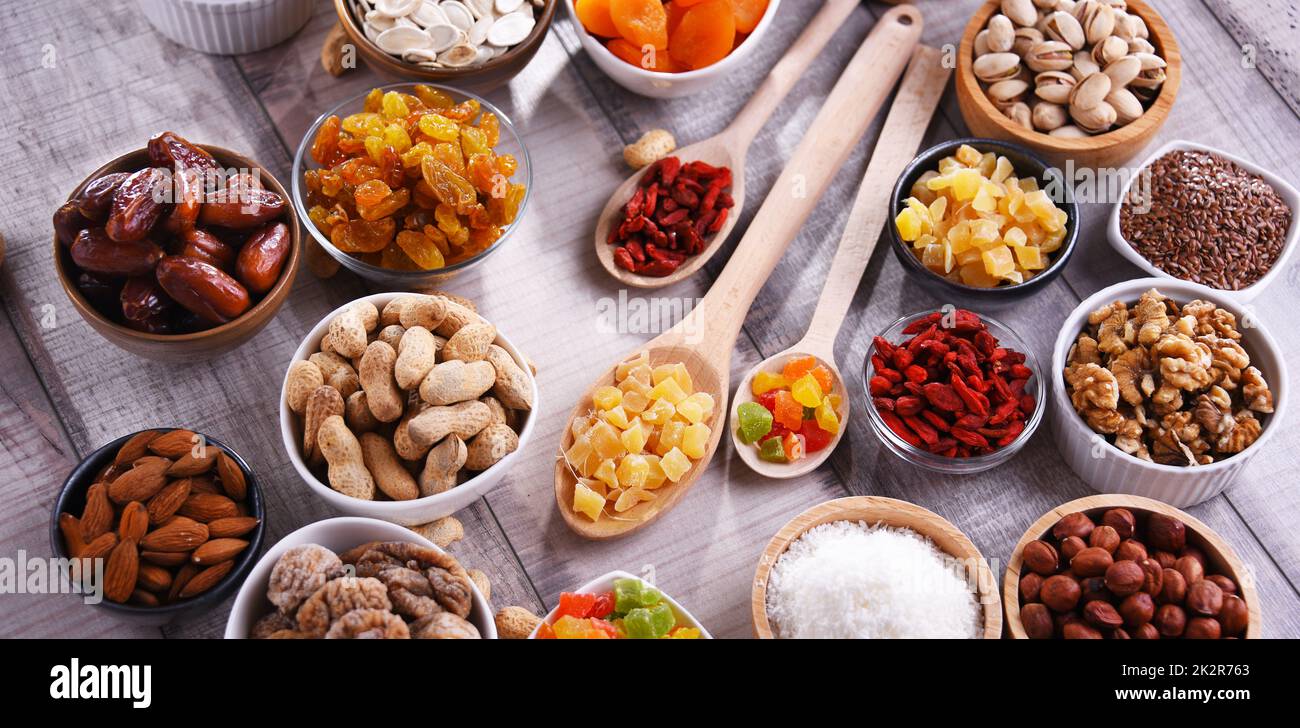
415 407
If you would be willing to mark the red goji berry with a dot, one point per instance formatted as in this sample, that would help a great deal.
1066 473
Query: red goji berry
936 420
974 439
623 259
916 374
885 403
902 359
909 405
879 386
896 425
923 430
942 396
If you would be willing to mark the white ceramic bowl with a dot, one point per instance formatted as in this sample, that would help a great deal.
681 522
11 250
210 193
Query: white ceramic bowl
668 85
605 583
337 535
1110 470
1284 189
227 27
409 512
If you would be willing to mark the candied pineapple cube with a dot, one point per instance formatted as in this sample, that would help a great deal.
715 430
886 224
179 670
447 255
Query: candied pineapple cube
668 390
587 501
984 234
1002 170
633 471
908 224
1029 257
921 191
622 371
655 475
704 400
966 184
959 237
695 440
827 419
659 412
1051 242
670 436
632 384
631 497
968 155
634 436
635 402
607 398
675 464
616 417
998 261
1014 236
651 437
988 162
578 452
690 411
973 274
605 440
605 473
938 208
984 201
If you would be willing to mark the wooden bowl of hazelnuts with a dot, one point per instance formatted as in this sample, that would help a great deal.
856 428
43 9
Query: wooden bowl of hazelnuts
1126 567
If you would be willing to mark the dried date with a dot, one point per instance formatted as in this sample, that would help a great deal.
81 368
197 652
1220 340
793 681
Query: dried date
101 291
68 221
241 208
92 250
169 149
95 200
202 288
203 245
262 257
138 205
146 307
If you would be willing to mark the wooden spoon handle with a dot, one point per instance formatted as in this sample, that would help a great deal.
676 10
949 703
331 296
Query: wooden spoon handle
787 72
917 98
861 90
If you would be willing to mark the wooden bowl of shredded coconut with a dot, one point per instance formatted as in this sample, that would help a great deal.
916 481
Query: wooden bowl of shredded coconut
870 567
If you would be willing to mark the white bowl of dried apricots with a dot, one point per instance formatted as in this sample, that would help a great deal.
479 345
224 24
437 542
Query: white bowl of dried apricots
409 184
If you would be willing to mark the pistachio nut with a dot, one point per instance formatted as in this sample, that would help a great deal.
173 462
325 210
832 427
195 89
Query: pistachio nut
1099 22
1123 28
1001 34
1021 12
1089 92
1026 38
1047 117
1119 6
1019 113
1109 50
1045 4
1083 66
994 67
1040 25
1096 119
982 43
1008 92
1150 61
1126 105
1145 95
1050 55
1054 87
1063 27
1069 131
1140 29
1150 80
1123 71
1065 6
1140 45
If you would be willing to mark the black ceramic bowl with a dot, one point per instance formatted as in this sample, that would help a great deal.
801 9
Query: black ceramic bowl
72 499
1026 164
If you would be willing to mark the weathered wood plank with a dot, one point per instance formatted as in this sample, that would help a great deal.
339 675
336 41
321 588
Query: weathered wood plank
1265 31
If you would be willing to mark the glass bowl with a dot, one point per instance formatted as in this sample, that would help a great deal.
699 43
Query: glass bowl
509 143
938 463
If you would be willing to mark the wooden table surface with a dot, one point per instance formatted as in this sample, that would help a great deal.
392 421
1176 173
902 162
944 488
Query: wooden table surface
84 84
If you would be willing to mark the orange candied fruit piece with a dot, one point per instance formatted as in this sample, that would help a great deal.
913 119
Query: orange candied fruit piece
594 16
788 411
747 14
641 22
705 35
798 367
823 377
650 60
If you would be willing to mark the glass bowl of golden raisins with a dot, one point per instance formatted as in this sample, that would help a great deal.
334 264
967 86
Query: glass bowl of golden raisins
409 184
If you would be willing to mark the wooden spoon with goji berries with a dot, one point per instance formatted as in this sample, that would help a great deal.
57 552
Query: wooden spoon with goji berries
680 203
917 98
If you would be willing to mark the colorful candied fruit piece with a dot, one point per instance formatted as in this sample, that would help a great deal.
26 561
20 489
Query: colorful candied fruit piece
814 437
789 411
764 382
576 605
806 391
754 420
827 418
792 444
771 450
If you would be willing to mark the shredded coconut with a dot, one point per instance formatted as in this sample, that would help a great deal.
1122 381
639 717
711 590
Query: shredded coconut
849 580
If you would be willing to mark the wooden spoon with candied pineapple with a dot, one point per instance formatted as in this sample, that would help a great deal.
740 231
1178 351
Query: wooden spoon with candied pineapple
726 149
904 127
703 340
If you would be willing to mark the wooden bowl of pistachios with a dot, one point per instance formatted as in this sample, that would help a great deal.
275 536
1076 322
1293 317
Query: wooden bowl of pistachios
1087 81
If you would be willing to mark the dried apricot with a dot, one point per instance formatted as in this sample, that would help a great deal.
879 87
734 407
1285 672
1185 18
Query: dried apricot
594 16
649 59
747 14
642 22
705 35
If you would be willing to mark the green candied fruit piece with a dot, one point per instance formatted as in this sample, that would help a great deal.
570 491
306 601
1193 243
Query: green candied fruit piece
639 624
755 421
771 450
627 595
662 620
650 596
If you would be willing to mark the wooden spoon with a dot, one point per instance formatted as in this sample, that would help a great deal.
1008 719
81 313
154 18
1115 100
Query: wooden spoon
703 340
908 118
728 148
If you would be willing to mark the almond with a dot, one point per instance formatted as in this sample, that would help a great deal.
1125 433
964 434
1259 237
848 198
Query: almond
183 576
230 527
204 507
121 571
141 482
143 598
189 464
134 523
97 518
206 579
100 547
70 527
178 534
204 484
165 558
217 550
154 578
174 444
168 500
136 447
232 477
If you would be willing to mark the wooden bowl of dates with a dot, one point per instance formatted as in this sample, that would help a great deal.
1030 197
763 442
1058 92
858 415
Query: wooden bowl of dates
1153 571
1110 149
181 336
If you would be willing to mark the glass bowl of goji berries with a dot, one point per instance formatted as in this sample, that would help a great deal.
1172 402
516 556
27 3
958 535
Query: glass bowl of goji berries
952 391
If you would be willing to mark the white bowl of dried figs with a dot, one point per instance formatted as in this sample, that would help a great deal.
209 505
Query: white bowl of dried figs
406 407
1164 389
359 578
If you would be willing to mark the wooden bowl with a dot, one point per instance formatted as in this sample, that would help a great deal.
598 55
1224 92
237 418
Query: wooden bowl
1222 559
873 510
1111 149
200 345
481 79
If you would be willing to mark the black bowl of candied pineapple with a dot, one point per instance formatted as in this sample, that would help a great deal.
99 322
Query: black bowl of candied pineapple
409 184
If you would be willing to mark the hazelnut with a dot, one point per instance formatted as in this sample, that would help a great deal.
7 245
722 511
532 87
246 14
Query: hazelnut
1060 620
1204 598
1091 561
1071 546
1094 588
1171 620
1147 631
1190 568
1124 578
1075 524
1119 634
1165 559
1080 631
1130 550
1234 617
1104 537
1137 609
1037 622
1102 615
1227 585
1041 558
1174 590
1166 533
1153 576
1202 628
1029 585
1060 592
1122 520
1195 553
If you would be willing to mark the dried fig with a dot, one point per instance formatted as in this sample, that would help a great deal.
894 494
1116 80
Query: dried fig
443 626
202 289
369 624
338 597
299 573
